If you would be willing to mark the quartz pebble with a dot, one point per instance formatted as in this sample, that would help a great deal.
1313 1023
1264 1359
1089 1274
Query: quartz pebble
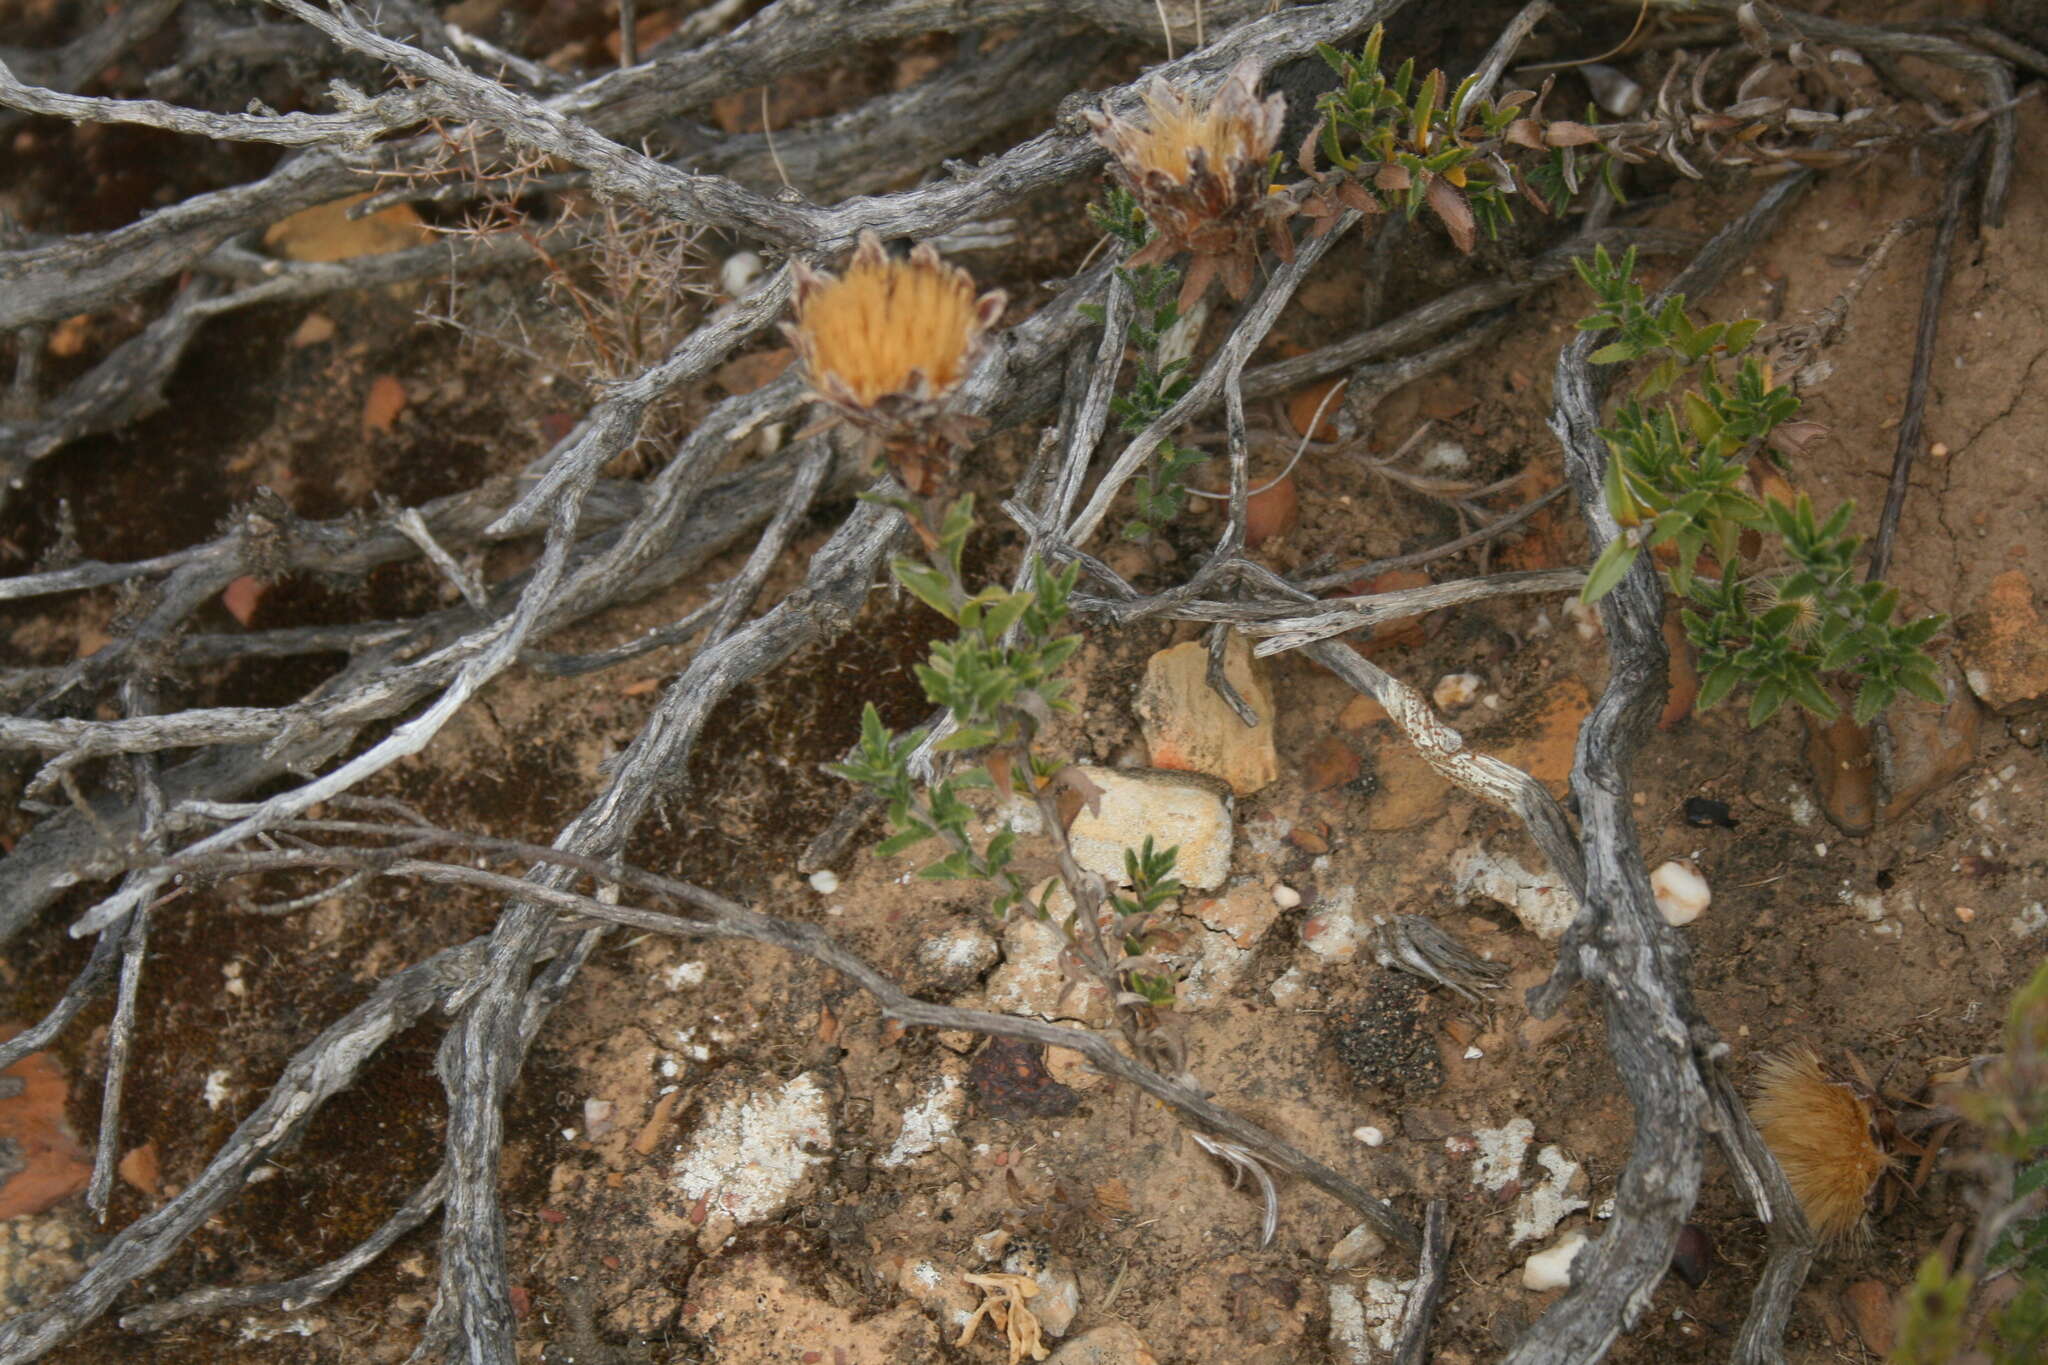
824 881
1285 896
1552 1269
1454 691
1681 891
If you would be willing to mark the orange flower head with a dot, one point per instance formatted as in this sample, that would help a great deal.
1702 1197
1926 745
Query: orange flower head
1200 175
889 340
1820 1131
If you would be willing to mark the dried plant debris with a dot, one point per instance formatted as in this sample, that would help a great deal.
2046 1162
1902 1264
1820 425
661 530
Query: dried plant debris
1004 1307
1415 945
1010 1082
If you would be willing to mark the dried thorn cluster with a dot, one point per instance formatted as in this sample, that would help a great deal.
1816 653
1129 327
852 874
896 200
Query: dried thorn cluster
1201 176
1820 1130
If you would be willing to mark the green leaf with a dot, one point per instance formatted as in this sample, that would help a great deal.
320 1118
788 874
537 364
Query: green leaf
928 585
1718 683
909 838
966 737
1614 353
1609 569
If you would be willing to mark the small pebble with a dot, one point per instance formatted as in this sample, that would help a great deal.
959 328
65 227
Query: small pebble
824 881
1682 893
1285 896
1965 913
1455 690
1552 1269
1473 1054
1369 1135
740 270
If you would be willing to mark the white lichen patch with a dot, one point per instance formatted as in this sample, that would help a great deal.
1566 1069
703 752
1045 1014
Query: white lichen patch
1363 1323
683 974
1498 1158
1541 1208
1542 903
752 1154
928 1123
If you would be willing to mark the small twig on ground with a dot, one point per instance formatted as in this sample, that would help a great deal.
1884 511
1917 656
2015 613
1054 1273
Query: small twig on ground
1412 1346
1912 425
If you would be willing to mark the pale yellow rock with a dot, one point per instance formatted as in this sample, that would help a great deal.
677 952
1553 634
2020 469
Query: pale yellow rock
1189 728
1177 810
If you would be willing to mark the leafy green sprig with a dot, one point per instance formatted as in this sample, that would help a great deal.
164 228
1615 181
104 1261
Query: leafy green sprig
1677 474
1407 141
1160 489
998 679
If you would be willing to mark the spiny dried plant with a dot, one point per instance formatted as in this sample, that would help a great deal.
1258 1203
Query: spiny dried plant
1821 1132
1201 175
887 343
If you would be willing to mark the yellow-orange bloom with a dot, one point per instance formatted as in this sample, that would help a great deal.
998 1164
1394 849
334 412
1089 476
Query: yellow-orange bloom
1200 176
888 340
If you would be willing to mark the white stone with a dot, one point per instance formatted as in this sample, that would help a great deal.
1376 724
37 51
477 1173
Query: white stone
1682 894
824 881
1178 810
1542 1207
1058 1299
216 1088
754 1152
1031 980
1285 896
1500 1152
1333 932
1293 990
1369 1135
1358 1246
954 959
683 974
739 271
929 1122
1552 1269
1585 619
1543 904
1455 691
2030 921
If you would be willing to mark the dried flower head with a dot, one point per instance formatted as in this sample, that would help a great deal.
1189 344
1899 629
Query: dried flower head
1200 175
888 342
1820 1131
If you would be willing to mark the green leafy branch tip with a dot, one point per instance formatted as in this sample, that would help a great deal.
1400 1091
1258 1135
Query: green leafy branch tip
1685 453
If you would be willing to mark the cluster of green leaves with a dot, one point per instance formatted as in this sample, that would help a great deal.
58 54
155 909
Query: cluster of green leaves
2012 1110
1679 458
995 689
1160 489
1149 872
998 679
1423 145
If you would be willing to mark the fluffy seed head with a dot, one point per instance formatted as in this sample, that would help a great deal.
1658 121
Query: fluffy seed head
1820 1132
890 337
